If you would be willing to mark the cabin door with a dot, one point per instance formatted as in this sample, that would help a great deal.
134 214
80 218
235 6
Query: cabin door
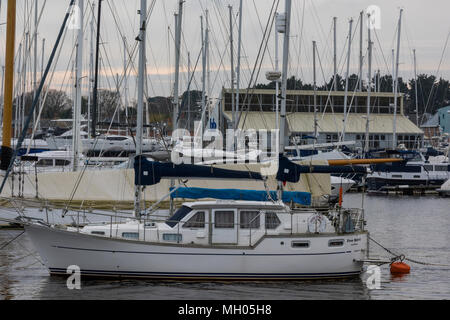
224 226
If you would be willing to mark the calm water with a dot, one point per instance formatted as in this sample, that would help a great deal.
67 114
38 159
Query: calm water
418 227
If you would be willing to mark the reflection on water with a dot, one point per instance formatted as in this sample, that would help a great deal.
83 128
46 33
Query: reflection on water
417 227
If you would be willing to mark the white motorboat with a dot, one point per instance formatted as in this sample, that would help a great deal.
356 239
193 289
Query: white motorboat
115 145
65 140
416 172
338 182
444 190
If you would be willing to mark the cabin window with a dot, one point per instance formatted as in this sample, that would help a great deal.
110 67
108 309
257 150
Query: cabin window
440 168
175 237
196 221
99 233
418 177
335 243
130 235
428 168
272 220
45 163
397 176
224 219
300 244
249 219
116 138
62 162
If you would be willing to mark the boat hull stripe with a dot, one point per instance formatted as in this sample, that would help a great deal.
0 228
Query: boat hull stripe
204 254
60 271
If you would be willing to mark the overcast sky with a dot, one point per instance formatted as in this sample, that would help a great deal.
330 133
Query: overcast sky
425 27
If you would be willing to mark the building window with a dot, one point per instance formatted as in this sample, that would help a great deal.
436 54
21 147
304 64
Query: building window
196 221
224 219
249 219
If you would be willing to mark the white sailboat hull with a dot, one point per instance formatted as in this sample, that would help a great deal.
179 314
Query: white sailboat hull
272 258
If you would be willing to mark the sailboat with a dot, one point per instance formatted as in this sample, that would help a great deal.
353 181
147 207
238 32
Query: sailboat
242 234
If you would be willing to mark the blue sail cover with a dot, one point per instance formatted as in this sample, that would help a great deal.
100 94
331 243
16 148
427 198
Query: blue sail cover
150 172
290 172
303 198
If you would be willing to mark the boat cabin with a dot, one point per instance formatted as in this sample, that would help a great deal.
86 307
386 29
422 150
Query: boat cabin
221 222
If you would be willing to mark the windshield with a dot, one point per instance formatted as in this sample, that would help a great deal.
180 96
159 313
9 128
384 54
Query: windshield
178 215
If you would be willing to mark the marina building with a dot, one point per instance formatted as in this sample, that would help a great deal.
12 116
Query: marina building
444 119
257 111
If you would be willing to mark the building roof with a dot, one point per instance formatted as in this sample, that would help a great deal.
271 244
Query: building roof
432 122
304 122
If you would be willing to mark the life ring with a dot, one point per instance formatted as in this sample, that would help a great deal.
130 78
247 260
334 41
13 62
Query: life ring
317 223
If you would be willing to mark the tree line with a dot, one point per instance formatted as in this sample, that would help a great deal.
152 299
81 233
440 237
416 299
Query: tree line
432 94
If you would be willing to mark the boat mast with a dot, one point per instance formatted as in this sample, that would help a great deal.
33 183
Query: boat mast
176 98
315 89
41 100
233 107
277 82
35 54
286 32
91 66
361 18
394 135
189 94
176 95
78 86
17 93
238 70
415 87
369 88
97 53
8 87
140 102
125 78
335 54
346 78
3 97
393 70
203 73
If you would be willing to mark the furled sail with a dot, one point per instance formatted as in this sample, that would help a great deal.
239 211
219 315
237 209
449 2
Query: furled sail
289 171
150 172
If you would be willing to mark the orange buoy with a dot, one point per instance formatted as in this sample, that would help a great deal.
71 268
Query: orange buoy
400 268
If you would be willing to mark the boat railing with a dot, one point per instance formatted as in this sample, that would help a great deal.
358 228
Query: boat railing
81 218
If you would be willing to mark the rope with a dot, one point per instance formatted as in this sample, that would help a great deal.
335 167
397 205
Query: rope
402 257
8 242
